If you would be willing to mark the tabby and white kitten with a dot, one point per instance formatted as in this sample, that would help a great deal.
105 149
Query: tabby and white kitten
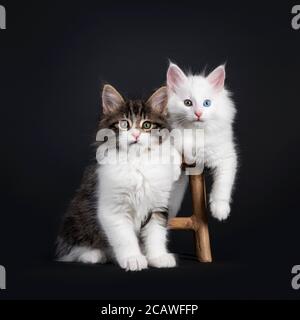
199 102
120 210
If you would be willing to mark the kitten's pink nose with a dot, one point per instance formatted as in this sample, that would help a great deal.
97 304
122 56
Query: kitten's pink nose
136 134
198 114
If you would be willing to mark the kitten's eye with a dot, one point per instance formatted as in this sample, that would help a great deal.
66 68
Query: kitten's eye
147 125
206 103
188 102
124 124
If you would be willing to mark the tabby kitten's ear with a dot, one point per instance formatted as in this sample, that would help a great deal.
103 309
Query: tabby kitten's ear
111 99
158 100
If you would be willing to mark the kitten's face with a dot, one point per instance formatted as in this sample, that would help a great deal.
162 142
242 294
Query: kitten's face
195 100
135 123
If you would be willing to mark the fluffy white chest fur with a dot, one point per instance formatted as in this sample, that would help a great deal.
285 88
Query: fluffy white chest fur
209 148
135 188
128 193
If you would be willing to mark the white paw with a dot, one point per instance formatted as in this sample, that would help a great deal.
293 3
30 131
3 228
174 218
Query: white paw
220 209
166 260
92 256
134 263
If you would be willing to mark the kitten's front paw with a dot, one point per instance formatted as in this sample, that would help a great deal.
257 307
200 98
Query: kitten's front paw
166 260
220 209
134 263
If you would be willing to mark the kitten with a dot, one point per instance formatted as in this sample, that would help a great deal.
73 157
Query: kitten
120 210
199 102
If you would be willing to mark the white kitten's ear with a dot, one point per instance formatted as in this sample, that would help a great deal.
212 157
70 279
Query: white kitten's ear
175 77
159 99
111 99
217 78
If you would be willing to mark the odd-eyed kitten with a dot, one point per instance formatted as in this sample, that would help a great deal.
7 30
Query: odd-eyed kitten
120 210
199 102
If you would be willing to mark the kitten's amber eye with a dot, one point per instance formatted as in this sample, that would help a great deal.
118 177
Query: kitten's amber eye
188 102
147 125
124 124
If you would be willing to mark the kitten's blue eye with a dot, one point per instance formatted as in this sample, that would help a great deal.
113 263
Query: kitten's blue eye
206 103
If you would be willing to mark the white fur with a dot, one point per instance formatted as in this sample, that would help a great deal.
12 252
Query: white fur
155 237
85 255
128 191
166 260
218 147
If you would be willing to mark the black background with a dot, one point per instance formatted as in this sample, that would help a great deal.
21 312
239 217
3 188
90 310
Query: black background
54 57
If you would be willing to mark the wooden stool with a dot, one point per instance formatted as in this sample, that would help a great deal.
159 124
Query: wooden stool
198 221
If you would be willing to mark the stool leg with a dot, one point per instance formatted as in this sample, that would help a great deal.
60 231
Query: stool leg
203 251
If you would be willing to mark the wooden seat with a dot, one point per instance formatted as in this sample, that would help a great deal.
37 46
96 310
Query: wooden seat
197 222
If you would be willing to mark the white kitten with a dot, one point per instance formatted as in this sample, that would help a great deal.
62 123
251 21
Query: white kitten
199 102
